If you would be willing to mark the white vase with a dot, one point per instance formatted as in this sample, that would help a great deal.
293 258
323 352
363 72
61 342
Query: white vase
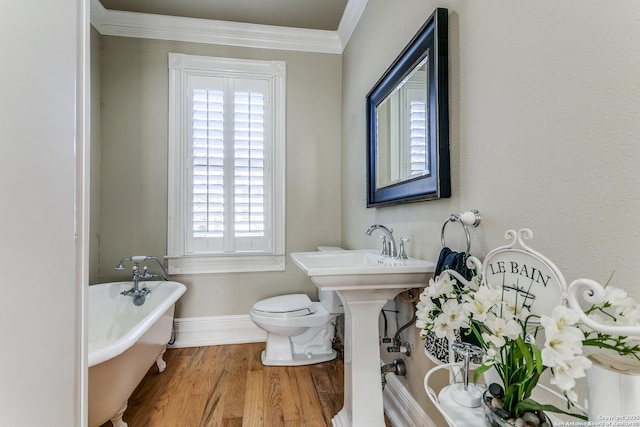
613 384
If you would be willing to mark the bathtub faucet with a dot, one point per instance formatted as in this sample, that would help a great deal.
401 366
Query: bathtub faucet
140 295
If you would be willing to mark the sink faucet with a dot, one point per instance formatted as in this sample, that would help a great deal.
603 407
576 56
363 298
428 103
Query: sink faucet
388 242
139 295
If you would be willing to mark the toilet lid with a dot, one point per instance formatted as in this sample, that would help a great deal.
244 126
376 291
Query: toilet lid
286 306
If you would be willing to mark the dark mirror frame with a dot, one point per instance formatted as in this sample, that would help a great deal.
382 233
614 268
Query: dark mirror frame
432 39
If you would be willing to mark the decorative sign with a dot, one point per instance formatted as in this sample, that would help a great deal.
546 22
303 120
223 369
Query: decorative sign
532 280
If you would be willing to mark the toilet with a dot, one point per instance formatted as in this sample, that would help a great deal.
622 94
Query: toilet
299 331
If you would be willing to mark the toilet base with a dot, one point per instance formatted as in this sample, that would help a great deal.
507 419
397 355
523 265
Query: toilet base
299 359
298 345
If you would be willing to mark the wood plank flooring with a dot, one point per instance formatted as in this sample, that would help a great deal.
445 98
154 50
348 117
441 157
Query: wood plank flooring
228 386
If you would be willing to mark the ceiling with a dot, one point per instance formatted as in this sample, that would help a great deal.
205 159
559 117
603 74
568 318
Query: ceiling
308 14
323 26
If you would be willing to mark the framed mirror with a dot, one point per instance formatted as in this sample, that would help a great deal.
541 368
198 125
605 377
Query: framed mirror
408 122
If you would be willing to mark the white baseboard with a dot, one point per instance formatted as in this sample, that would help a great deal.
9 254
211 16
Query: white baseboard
216 330
401 408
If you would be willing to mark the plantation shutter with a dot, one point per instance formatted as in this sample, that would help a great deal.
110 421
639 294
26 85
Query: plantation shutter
229 151
418 123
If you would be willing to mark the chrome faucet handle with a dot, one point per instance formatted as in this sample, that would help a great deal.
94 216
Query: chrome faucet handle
146 274
401 252
385 248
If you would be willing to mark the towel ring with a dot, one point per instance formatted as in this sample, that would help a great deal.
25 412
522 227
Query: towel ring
471 217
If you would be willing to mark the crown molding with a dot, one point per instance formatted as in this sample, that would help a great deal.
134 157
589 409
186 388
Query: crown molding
161 27
350 18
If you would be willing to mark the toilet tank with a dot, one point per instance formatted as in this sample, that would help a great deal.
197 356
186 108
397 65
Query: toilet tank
331 301
329 248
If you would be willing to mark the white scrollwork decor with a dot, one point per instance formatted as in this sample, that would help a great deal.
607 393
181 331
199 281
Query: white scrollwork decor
593 292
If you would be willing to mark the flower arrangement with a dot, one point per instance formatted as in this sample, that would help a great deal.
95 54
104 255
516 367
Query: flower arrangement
500 321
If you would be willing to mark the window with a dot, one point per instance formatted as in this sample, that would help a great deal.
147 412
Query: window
226 165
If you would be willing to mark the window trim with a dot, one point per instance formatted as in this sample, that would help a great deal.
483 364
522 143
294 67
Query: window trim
179 262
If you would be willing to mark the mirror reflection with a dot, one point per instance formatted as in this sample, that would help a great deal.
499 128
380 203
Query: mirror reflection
401 126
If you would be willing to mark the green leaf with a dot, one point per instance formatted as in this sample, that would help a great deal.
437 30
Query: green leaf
481 370
526 353
530 385
538 358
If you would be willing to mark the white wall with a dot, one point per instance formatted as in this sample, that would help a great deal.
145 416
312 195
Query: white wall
40 306
96 130
545 118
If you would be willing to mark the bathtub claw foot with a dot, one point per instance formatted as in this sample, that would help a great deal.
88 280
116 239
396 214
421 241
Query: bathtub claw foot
117 420
162 365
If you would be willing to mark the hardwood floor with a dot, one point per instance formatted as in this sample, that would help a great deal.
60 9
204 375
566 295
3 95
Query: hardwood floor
228 386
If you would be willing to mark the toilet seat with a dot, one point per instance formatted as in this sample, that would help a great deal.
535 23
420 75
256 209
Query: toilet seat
285 306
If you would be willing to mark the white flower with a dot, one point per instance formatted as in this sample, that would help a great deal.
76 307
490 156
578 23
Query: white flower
425 297
616 296
455 314
565 375
561 318
421 324
424 307
442 327
424 333
619 315
474 283
515 305
493 354
477 305
627 314
561 346
501 329
563 339
442 286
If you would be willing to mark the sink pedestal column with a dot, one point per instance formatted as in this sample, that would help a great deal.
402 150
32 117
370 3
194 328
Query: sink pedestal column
362 377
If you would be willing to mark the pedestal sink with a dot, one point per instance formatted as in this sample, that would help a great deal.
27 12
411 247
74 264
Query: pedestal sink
364 281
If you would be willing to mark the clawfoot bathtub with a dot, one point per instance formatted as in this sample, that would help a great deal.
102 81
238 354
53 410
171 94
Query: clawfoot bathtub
124 342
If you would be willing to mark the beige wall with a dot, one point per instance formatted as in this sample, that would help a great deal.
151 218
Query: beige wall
133 218
545 118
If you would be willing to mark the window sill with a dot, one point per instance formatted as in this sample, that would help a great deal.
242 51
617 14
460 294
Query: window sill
225 264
